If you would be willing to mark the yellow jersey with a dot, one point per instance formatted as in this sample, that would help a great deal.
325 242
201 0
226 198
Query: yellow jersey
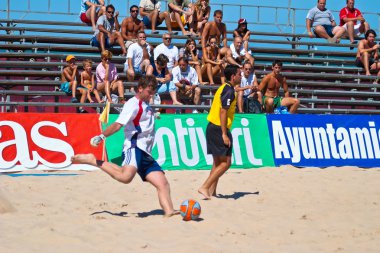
225 97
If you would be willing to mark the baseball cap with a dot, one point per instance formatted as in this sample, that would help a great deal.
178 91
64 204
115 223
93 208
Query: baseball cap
242 21
69 57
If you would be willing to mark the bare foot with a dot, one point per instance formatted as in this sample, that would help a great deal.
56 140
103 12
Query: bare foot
84 159
172 213
205 193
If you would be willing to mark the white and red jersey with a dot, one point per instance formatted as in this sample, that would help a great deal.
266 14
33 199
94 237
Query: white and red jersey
137 117
347 13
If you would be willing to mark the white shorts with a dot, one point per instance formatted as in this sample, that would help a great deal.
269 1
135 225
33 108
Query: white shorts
356 29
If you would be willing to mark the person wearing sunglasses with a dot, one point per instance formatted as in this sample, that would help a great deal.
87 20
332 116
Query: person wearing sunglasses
168 49
107 31
131 26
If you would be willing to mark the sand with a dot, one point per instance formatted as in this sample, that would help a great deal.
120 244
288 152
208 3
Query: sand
260 210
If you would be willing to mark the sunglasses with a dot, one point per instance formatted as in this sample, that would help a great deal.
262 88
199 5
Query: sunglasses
167 38
110 12
134 11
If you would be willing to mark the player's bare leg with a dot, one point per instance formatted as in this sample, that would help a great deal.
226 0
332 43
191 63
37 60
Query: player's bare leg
123 174
158 180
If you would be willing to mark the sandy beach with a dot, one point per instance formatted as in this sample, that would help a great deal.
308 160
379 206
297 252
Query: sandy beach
282 209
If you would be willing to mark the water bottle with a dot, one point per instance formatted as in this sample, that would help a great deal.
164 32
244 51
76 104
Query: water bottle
284 110
277 110
156 99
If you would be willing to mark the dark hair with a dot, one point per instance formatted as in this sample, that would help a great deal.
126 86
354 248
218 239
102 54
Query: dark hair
110 6
230 70
368 32
188 41
162 59
277 62
133 6
218 12
146 81
183 58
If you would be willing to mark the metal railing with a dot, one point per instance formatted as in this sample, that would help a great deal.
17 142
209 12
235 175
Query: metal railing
283 18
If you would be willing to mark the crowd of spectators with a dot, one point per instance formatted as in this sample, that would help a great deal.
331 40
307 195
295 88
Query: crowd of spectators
182 72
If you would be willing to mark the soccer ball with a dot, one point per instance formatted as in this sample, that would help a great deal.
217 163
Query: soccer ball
190 210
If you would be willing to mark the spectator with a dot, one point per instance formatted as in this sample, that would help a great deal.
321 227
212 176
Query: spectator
87 80
212 61
131 26
218 30
248 86
90 11
150 11
237 54
323 23
193 55
186 80
243 32
349 17
160 70
201 15
69 78
137 57
107 31
107 78
168 49
270 88
367 56
180 13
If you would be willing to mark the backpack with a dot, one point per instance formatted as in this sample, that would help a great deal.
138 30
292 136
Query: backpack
252 105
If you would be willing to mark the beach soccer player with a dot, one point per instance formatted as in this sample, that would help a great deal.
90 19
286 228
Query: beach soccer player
137 117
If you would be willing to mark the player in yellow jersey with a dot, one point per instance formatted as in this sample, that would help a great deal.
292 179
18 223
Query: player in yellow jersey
218 135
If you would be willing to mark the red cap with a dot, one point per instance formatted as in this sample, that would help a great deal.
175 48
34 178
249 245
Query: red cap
242 21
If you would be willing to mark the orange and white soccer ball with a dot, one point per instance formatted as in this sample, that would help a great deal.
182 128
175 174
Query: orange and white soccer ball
190 209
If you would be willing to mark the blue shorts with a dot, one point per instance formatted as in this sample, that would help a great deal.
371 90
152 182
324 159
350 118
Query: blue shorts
66 88
95 43
329 30
147 22
166 87
144 162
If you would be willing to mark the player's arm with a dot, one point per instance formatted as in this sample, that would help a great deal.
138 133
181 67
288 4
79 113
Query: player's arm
227 96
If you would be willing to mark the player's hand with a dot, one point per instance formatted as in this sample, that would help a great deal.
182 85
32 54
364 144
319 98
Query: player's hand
226 140
96 140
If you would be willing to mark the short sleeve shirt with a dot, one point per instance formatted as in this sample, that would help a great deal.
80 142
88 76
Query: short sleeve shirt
107 24
101 73
241 52
320 17
171 52
347 13
135 51
190 75
150 5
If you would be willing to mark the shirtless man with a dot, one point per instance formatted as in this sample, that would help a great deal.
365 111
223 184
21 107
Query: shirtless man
217 29
131 26
270 87
367 56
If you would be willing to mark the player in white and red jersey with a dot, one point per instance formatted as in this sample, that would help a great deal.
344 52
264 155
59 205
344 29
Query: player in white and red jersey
137 117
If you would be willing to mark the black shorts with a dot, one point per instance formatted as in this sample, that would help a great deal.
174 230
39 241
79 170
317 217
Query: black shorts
215 144
359 63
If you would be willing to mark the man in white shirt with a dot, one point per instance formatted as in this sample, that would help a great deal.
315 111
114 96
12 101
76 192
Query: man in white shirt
185 78
168 49
238 52
137 57
248 86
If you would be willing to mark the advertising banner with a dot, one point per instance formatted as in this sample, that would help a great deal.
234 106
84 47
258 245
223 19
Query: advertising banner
180 142
46 141
325 140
